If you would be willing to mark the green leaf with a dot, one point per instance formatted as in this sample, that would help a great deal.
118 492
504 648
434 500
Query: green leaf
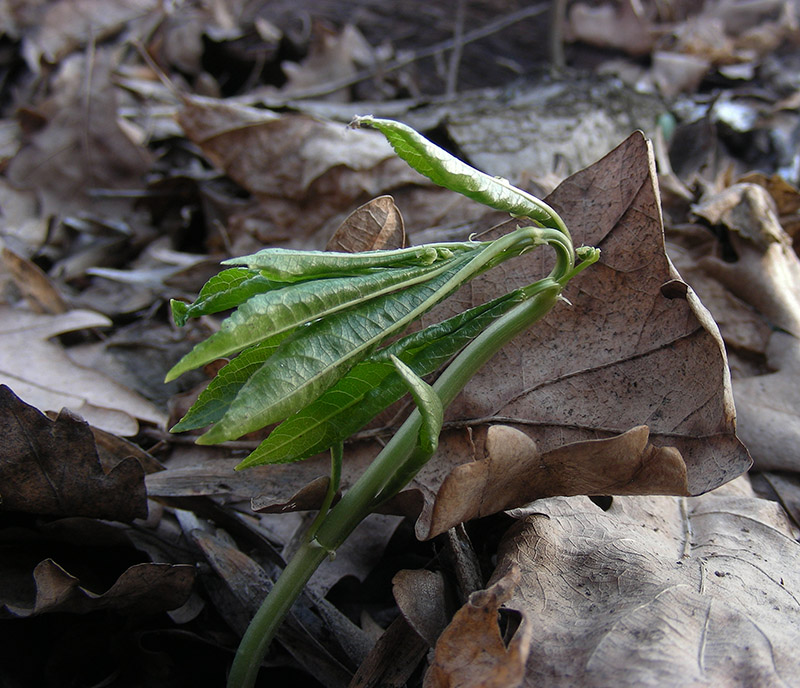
214 400
429 405
448 171
373 385
227 289
315 357
290 266
266 315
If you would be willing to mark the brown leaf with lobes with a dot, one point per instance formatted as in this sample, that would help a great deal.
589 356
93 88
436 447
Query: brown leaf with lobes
52 467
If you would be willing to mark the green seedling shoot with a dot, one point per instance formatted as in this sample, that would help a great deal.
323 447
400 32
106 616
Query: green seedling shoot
309 334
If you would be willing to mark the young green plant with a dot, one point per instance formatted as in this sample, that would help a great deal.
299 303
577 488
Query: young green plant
309 334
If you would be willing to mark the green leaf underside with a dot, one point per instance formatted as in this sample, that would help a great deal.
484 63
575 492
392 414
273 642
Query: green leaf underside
214 400
227 289
373 385
266 315
315 357
450 172
290 266
428 403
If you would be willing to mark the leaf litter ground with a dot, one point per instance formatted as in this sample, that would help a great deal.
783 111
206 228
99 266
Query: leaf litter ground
624 392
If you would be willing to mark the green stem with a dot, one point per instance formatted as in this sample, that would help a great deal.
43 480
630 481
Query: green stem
395 465
358 502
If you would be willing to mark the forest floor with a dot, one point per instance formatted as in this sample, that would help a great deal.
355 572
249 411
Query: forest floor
592 478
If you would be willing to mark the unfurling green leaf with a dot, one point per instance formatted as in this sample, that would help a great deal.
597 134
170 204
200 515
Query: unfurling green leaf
293 266
317 355
267 315
227 289
448 171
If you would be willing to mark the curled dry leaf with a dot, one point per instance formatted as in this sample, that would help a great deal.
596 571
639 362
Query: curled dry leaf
702 592
421 597
64 26
375 225
60 161
141 589
40 372
514 472
52 467
470 653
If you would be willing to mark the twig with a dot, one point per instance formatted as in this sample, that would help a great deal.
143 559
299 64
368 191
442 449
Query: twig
455 56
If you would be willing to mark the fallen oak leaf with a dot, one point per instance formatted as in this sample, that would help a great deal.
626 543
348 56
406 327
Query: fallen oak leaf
636 346
378 224
52 467
766 276
285 159
514 472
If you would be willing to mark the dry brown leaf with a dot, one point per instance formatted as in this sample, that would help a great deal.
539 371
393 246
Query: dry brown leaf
766 276
701 592
470 653
40 372
52 467
768 407
332 56
619 25
393 658
375 225
141 589
81 146
285 160
34 285
514 473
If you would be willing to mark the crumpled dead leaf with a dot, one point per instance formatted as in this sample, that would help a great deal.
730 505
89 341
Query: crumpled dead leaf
470 653
66 25
40 372
285 159
332 56
141 589
52 467
421 597
764 273
620 25
81 127
700 592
